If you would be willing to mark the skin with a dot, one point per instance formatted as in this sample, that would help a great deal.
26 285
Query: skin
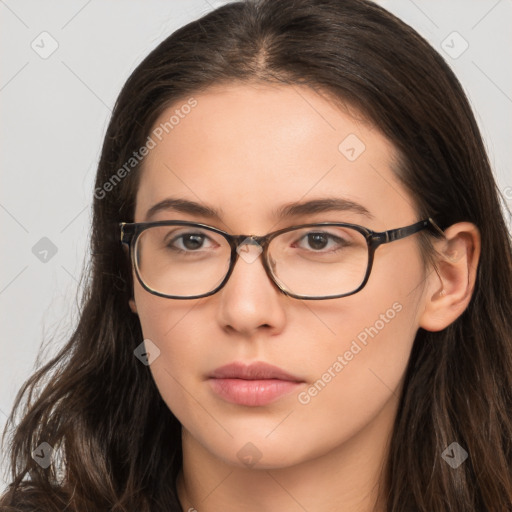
242 143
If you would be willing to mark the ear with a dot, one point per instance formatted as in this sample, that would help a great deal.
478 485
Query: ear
450 285
133 306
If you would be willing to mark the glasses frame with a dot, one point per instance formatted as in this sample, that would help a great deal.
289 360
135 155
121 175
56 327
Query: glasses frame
130 231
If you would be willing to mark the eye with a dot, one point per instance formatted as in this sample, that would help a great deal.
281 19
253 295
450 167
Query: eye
318 241
190 242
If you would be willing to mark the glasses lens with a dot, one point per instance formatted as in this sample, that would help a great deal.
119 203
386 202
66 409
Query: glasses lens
182 260
319 261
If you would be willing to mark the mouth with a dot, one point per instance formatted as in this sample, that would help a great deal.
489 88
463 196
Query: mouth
252 385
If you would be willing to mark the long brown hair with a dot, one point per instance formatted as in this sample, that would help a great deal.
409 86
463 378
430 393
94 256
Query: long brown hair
98 407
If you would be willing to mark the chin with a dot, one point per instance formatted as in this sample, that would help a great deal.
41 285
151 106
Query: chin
256 452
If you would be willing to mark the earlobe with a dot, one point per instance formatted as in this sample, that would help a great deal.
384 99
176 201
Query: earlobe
133 306
450 285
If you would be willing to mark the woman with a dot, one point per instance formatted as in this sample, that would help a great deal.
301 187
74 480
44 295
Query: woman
358 358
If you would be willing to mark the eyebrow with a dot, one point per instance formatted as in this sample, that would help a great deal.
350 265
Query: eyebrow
286 211
328 204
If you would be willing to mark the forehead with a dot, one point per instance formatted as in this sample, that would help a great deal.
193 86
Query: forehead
248 149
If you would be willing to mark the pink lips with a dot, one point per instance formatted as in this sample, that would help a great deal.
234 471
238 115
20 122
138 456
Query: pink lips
252 385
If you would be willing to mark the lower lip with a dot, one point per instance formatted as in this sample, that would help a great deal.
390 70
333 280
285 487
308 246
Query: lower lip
252 392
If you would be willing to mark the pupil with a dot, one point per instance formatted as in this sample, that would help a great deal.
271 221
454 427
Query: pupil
317 240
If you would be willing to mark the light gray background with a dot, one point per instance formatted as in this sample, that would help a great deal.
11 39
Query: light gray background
55 111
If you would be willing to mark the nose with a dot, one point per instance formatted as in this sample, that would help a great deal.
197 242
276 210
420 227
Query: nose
250 300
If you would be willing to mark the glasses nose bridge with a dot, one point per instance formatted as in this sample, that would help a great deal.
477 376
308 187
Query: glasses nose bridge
263 241
239 240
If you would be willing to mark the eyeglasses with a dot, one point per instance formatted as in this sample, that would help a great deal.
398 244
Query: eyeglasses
189 260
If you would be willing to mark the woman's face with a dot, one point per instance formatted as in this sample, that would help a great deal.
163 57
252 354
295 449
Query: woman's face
246 151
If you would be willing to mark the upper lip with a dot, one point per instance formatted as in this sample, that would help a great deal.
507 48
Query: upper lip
253 371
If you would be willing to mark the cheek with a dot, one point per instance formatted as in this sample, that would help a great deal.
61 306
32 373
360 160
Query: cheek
359 371
161 318
360 366
383 314
180 341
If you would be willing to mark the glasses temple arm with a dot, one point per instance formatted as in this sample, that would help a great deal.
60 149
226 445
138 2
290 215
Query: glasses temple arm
436 227
397 234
